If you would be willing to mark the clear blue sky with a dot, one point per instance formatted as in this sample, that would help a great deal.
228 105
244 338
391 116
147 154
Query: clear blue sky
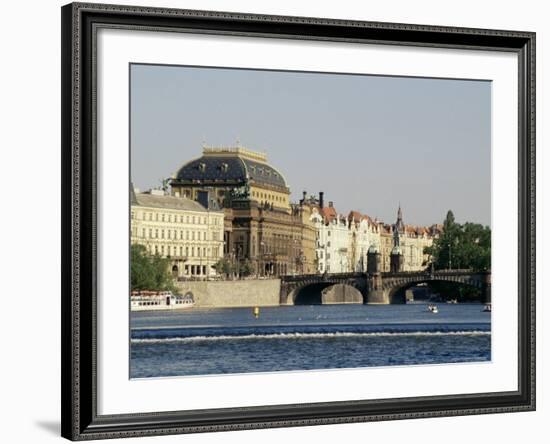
368 142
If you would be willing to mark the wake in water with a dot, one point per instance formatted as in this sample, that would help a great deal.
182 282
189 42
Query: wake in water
304 336
302 332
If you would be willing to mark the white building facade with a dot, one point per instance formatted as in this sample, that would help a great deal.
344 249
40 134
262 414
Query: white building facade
363 234
332 242
180 229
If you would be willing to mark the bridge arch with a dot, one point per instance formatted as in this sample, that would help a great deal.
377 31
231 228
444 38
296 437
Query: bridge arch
309 294
317 292
395 288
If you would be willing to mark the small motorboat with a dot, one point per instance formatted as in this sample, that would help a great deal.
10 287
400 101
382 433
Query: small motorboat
433 308
487 307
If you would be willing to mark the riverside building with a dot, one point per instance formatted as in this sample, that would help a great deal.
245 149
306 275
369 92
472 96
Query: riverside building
409 242
261 227
189 233
333 241
344 243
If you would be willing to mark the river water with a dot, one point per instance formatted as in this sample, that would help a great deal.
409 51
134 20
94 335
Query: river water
232 340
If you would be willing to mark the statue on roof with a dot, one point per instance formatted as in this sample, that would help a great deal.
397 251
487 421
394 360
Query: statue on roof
242 192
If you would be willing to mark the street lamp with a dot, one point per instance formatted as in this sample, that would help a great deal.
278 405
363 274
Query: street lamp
450 265
262 254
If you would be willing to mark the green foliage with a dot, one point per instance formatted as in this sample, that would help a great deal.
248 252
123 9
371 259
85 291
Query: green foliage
246 268
149 272
452 290
466 246
224 266
227 267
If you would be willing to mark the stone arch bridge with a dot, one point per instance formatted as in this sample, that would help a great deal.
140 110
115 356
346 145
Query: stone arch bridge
372 288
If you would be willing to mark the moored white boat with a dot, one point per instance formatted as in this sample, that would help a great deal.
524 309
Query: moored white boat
159 300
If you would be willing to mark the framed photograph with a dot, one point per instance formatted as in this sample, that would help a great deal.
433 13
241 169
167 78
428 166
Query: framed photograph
274 221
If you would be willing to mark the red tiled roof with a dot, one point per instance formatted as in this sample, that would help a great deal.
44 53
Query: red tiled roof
328 213
355 216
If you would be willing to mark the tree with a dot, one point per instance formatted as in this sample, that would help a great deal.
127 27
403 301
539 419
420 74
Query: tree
224 266
149 272
461 246
246 268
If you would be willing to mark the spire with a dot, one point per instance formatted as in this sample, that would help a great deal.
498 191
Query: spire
399 225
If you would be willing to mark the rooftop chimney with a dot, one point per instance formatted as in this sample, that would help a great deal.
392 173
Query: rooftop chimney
321 199
330 203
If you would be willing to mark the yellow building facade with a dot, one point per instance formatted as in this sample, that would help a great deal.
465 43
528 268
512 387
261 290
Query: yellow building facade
184 231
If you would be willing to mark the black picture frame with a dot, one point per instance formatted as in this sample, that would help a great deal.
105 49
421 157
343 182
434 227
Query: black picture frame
79 170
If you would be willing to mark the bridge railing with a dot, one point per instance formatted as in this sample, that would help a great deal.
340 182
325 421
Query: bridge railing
321 276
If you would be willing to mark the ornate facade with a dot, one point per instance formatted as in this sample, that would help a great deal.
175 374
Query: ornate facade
233 171
364 235
261 226
332 239
344 243
409 243
188 233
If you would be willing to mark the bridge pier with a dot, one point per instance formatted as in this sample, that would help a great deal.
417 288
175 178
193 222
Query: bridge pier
376 293
379 297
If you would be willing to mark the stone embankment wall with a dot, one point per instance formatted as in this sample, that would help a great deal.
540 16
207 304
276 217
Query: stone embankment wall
241 293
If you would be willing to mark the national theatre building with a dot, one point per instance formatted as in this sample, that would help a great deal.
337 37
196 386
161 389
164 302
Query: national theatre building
261 225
